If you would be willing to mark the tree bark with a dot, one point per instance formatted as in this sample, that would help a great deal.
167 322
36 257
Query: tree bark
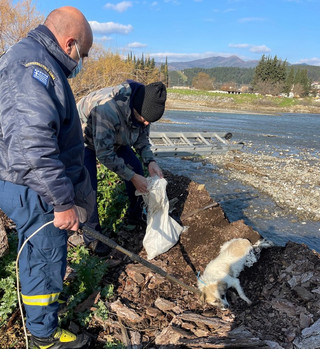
4 245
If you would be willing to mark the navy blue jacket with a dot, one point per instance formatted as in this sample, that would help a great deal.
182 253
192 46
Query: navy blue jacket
41 142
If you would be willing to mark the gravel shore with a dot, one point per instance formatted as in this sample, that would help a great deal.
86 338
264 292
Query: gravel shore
291 180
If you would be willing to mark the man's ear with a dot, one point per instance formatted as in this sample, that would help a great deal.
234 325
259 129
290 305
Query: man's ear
67 45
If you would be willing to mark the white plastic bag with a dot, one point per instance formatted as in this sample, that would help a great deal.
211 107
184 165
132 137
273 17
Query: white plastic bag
162 231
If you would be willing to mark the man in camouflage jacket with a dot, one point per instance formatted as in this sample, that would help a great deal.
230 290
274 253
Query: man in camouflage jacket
116 120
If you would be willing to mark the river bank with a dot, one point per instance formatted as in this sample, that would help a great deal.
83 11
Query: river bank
272 182
291 180
240 104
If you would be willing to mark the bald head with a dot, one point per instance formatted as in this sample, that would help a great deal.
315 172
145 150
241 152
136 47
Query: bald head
69 25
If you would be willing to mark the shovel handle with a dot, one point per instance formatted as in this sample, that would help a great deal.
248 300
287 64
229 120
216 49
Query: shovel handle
95 234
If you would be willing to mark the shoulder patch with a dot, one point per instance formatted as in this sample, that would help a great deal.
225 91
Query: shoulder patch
40 76
46 69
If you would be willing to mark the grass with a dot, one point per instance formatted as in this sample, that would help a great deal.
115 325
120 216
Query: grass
247 98
8 290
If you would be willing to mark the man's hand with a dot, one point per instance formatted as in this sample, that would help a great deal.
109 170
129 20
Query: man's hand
154 169
140 183
67 220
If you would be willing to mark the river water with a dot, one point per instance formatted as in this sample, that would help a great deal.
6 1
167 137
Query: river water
275 135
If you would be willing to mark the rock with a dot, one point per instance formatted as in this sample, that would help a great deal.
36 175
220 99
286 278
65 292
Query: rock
309 338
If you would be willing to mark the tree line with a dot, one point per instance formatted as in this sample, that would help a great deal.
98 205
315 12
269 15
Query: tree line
105 68
270 76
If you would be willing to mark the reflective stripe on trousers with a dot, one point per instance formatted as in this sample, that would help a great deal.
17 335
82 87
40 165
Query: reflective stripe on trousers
42 262
40 300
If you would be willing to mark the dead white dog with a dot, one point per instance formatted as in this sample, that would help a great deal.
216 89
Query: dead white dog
223 271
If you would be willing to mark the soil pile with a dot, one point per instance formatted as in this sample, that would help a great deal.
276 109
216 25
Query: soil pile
148 311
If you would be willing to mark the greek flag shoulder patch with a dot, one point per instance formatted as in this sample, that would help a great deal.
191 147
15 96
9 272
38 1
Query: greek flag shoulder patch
40 76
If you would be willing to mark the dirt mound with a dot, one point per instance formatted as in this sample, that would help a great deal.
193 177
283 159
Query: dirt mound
148 311
283 285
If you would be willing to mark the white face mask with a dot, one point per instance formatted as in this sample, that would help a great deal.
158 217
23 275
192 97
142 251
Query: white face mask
78 67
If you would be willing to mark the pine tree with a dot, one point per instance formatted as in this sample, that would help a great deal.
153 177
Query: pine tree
289 81
270 75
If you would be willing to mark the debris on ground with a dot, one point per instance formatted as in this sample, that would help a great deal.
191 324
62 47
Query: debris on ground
148 311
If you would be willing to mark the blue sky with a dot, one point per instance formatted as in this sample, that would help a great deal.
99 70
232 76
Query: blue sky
184 30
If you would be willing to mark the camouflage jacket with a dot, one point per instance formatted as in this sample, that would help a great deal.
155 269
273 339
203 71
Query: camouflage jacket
106 118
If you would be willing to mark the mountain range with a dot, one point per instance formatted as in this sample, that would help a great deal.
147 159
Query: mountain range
213 62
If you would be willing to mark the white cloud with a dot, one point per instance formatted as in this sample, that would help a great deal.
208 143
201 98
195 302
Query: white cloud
310 61
251 19
103 38
110 28
239 45
136 45
120 7
184 57
260 49
252 48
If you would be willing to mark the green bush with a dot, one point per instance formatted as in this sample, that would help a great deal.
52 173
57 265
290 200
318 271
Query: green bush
8 290
112 199
89 271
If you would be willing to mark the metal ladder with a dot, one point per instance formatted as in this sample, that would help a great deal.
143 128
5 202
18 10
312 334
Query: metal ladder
191 143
